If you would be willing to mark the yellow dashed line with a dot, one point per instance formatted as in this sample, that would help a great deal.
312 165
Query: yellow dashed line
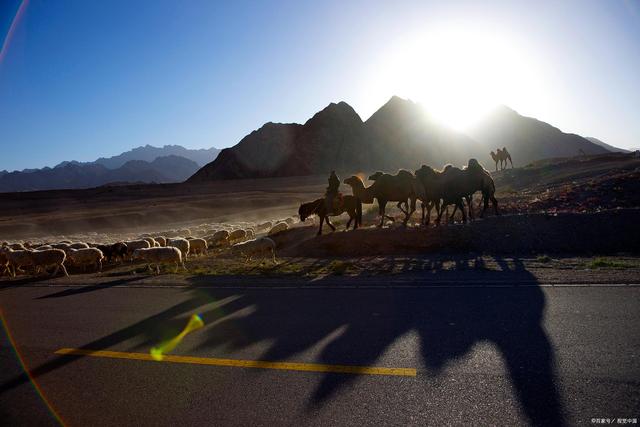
285 366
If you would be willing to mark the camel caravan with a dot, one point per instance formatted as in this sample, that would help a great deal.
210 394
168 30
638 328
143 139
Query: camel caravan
433 188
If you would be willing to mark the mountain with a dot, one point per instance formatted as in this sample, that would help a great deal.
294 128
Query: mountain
331 139
149 153
607 146
399 135
72 175
527 139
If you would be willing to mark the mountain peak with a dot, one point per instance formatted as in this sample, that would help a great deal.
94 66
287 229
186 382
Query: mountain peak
340 111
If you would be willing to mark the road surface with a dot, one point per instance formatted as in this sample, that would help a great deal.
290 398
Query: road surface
385 351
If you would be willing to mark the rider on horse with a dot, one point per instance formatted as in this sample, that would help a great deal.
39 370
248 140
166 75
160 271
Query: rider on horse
332 191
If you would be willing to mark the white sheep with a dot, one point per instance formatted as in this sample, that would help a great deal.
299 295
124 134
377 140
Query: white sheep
159 255
86 257
49 258
180 243
250 248
132 245
278 228
161 240
16 259
219 238
152 242
237 236
198 246
264 226
78 245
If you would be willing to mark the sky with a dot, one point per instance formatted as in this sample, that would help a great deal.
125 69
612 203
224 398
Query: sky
84 79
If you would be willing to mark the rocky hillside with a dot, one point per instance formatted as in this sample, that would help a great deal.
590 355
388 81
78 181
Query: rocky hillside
399 135
528 139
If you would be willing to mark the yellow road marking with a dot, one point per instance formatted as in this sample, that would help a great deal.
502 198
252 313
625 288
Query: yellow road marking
286 366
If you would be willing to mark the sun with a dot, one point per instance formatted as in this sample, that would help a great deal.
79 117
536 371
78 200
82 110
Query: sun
459 74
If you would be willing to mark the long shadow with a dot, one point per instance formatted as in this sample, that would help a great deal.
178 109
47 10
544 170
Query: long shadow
91 288
357 327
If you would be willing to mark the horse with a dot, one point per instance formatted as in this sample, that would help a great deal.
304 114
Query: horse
350 204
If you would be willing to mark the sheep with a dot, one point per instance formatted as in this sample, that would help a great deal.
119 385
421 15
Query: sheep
132 245
290 221
278 228
184 232
16 259
237 236
264 226
43 247
251 234
86 256
180 243
218 239
248 249
152 242
3 262
78 245
198 246
60 245
159 255
49 258
114 251
17 247
161 240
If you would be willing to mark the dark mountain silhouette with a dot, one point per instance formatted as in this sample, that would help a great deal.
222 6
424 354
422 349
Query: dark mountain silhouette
399 135
607 146
149 153
72 175
331 139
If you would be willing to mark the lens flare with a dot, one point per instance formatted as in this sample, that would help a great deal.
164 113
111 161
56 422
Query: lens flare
33 382
12 29
195 323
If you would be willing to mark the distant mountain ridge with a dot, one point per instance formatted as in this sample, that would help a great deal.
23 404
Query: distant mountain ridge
399 135
146 164
74 175
149 153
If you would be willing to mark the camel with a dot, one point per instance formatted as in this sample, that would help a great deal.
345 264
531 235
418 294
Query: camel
350 205
501 155
453 184
402 188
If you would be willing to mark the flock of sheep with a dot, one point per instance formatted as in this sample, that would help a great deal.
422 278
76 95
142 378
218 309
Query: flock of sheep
171 247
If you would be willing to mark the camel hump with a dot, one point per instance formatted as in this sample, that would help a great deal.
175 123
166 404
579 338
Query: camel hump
403 173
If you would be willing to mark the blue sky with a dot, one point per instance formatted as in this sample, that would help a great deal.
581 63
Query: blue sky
83 79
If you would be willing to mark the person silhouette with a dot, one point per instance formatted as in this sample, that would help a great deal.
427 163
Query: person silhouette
332 191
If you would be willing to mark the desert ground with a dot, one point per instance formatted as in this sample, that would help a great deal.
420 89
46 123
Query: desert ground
530 317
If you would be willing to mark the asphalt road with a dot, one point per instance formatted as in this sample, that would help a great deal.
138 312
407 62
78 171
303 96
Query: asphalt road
483 354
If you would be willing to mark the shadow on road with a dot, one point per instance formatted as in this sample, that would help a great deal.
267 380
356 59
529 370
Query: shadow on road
358 327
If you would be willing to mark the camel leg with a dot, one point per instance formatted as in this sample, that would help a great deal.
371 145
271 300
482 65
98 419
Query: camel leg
349 222
469 200
333 228
495 204
322 217
381 208
485 203
510 161
460 206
